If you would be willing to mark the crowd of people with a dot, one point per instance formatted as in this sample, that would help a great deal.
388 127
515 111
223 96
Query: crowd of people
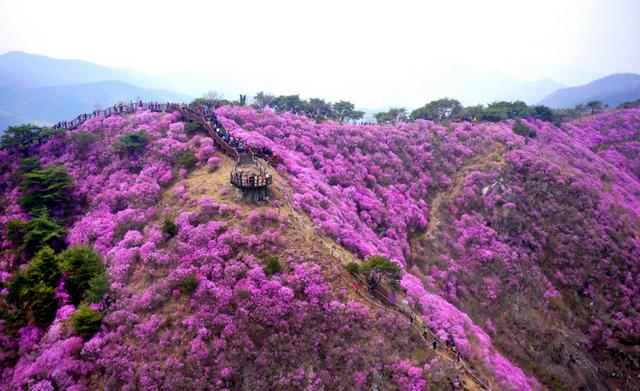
120 108
208 112
238 178
243 179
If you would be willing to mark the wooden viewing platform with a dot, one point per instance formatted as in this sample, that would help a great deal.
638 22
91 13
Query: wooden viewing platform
249 175
252 181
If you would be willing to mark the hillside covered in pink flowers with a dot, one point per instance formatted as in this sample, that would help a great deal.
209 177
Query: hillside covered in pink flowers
149 273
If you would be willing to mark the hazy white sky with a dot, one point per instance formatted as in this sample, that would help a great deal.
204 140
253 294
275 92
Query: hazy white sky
361 49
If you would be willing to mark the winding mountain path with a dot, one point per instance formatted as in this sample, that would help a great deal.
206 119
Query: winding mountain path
322 244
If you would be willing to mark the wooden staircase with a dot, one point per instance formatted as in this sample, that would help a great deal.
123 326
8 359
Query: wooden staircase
244 159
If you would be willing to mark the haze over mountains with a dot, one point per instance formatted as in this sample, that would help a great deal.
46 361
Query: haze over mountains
473 88
53 103
44 90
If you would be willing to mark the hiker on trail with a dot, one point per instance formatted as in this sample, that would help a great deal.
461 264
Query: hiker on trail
451 343
412 317
372 284
456 353
357 286
106 302
266 151
434 344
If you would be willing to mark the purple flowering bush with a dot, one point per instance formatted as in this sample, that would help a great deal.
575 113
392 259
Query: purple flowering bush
530 235
548 240
234 328
367 187
525 251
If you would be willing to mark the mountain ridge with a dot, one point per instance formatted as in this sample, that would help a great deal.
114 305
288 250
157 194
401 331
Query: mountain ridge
23 70
44 90
49 104
612 90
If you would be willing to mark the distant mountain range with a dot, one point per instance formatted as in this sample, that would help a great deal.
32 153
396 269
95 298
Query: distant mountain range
24 70
54 103
45 90
611 90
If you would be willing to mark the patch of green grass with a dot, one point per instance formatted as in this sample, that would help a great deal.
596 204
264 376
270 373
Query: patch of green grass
272 266
132 142
86 321
189 284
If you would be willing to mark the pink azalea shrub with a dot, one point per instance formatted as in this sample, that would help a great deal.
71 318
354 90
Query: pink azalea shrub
548 218
366 186
532 235
213 162
237 328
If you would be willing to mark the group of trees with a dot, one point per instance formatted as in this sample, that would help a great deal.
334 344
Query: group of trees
212 98
132 142
447 109
633 104
393 115
580 110
378 268
23 135
314 107
44 190
444 109
40 242
32 290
